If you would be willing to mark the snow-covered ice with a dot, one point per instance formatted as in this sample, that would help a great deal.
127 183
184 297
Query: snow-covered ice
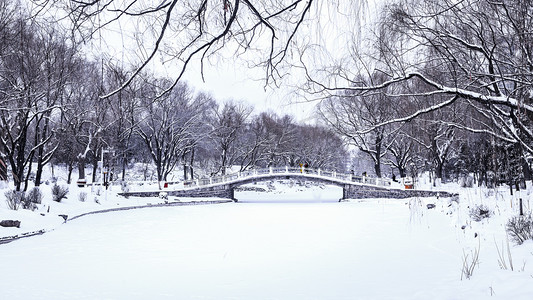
309 247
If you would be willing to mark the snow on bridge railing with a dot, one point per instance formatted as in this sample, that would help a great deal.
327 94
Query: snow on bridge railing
287 170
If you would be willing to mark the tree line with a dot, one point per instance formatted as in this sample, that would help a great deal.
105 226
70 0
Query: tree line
52 112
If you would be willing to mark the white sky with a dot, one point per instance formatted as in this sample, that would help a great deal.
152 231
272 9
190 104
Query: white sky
334 30
230 79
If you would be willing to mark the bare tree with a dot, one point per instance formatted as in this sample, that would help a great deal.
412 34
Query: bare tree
252 144
183 31
320 148
123 105
166 125
474 52
58 68
198 143
228 126
281 135
401 150
30 89
350 115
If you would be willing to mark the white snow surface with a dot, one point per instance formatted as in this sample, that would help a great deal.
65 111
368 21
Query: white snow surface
280 241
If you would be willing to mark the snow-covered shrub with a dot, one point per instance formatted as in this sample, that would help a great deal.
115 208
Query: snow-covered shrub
520 228
14 199
59 193
124 186
480 212
35 195
489 193
82 196
454 198
466 181
31 199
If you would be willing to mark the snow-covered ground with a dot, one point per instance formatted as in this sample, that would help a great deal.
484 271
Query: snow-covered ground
280 241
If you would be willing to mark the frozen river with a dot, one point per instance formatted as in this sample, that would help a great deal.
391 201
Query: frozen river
317 249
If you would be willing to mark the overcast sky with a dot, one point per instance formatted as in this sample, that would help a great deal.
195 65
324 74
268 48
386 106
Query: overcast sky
227 78
230 79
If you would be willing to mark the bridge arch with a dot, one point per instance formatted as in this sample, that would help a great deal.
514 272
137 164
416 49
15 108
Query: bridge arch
354 187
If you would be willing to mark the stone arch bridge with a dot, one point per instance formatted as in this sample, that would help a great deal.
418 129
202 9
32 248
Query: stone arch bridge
354 187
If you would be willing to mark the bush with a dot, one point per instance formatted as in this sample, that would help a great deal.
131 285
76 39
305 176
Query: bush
82 196
124 186
520 229
480 212
14 199
59 193
35 196
466 181
26 203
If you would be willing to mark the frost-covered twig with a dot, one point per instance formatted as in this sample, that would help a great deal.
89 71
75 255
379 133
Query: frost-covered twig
501 258
470 264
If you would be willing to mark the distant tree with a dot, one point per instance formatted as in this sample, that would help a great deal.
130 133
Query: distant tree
166 124
320 148
509 165
401 152
228 126
253 143
79 125
281 135
351 116
198 145
123 107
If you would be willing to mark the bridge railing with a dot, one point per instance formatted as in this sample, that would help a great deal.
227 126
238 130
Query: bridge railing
288 170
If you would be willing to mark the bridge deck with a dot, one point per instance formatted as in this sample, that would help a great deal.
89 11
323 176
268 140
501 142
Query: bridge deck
261 174
354 187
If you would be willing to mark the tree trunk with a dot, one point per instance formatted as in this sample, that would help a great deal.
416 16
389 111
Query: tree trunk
81 167
438 169
526 170
191 170
377 164
184 164
124 162
27 176
377 169
38 173
95 169
40 151
159 169
18 170
185 168
223 163
401 171
69 174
